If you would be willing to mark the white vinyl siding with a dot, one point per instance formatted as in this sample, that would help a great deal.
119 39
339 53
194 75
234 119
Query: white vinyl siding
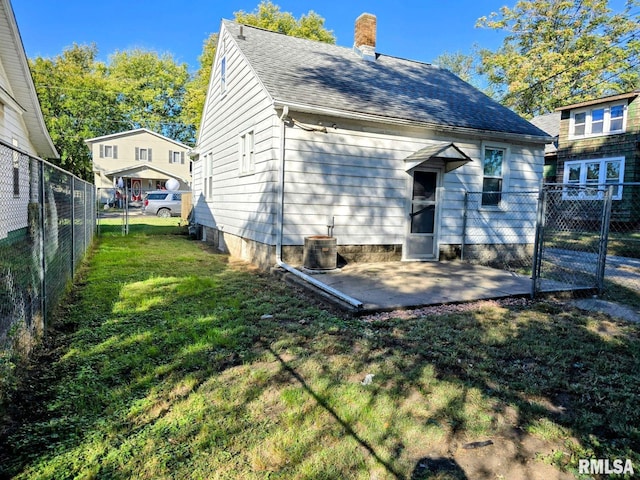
358 178
242 205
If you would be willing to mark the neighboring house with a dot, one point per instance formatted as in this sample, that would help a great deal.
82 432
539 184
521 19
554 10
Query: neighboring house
550 123
301 138
23 133
599 144
143 159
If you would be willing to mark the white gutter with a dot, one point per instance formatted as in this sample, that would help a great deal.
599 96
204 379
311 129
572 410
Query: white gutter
280 228
412 123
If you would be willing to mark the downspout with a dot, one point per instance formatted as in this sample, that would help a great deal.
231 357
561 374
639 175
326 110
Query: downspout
280 228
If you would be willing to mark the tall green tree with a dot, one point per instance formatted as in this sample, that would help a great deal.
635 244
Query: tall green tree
196 89
562 51
151 89
465 66
82 98
266 15
77 103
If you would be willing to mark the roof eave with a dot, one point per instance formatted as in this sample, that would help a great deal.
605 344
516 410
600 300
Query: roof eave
314 109
611 98
33 118
134 131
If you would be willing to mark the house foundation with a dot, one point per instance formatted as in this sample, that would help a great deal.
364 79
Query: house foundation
264 256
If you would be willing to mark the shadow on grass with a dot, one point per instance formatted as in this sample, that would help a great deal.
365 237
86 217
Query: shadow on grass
163 365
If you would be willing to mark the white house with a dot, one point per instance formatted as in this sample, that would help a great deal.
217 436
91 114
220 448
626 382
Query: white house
301 138
23 133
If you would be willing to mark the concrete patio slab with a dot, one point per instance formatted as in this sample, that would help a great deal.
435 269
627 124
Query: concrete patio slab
398 285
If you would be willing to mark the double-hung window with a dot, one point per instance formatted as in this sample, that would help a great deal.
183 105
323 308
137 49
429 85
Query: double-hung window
207 176
143 154
176 157
600 120
493 176
247 153
223 75
108 151
209 167
588 179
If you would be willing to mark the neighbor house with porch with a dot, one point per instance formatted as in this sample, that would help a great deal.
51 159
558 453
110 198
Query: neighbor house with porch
139 160
301 138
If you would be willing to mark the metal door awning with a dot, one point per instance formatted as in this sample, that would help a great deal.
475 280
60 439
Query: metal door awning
452 156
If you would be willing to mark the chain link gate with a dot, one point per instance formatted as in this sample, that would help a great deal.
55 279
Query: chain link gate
571 236
565 237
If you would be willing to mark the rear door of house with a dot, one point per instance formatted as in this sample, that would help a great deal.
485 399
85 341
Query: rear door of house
423 217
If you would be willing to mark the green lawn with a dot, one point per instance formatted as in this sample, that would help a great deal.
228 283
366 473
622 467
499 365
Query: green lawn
623 244
168 360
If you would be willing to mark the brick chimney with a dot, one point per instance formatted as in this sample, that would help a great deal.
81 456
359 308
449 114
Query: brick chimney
365 36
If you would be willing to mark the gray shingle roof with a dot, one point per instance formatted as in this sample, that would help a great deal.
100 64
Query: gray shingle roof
549 123
322 75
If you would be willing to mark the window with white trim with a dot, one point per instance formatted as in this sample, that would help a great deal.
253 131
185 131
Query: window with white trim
247 153
207 176
604 119
223 75
223 67
493 175
588 179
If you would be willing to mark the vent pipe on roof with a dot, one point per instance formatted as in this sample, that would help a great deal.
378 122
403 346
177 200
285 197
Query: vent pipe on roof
365 36
240 35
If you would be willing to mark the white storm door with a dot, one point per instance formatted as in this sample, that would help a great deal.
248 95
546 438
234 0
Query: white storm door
421 240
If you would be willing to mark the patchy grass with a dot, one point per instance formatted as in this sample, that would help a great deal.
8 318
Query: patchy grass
162 364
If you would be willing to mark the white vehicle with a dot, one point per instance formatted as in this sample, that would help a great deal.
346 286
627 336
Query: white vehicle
163 203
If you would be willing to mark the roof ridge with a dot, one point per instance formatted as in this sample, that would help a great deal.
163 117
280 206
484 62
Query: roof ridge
378 54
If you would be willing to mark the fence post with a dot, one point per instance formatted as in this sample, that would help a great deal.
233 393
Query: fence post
73 227
464 223
43 241
538 241
84 220
604 237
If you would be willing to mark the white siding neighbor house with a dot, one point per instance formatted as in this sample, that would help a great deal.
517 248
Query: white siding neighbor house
301 139
23 133
143 159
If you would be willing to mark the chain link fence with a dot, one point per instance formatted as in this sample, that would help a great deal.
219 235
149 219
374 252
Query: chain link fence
47 223
566 237
589 236
499 229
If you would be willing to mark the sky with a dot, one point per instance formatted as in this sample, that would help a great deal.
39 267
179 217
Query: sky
417 29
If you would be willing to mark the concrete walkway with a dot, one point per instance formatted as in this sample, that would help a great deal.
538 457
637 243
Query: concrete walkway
398 285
